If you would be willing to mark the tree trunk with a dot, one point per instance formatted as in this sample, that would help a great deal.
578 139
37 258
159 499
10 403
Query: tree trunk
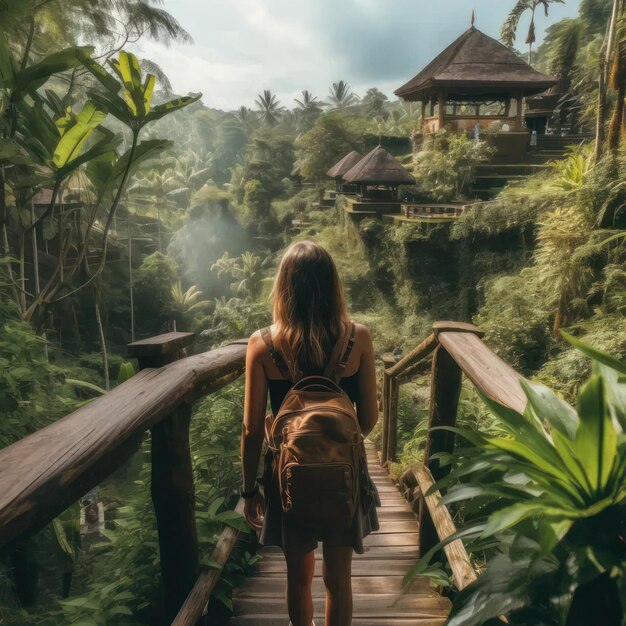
105 356
606 55
130 280
617 120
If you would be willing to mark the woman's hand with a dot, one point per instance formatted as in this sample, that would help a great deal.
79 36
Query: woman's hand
254 510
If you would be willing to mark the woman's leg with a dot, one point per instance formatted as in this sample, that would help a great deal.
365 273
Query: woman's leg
300 569
337 574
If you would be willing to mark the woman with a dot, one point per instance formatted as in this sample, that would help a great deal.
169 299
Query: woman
310 316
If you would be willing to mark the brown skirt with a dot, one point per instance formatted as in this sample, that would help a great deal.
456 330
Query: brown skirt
277 528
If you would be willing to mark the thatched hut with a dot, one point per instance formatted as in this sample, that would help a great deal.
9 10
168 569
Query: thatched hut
378 175
340 168
475 80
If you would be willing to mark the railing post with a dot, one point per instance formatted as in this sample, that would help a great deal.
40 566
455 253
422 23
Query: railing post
388 361
445 390
394 396
444 400
173 492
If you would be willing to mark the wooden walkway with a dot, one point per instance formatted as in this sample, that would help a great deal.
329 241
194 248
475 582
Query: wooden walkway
377 574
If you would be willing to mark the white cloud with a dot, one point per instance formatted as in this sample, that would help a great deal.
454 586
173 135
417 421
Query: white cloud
244 46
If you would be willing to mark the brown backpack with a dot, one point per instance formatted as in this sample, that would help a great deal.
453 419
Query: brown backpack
317 442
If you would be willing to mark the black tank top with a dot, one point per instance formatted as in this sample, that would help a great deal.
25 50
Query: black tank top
278 389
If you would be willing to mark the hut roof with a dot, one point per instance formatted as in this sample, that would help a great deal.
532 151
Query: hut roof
378 166
344 165
476 64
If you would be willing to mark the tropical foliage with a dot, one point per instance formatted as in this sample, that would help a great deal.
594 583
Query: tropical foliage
553 487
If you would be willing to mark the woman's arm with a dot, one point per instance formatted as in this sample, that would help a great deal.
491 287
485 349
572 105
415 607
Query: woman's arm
253 423
367 402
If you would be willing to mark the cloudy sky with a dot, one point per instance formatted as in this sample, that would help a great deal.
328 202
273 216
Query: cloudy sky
244 46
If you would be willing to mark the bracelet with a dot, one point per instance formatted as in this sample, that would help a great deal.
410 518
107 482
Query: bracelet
246 495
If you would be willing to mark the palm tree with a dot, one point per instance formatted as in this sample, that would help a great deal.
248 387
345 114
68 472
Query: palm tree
185 301
509 28
189 173
151 195
308 109
341 97
247 271
269 107
617 82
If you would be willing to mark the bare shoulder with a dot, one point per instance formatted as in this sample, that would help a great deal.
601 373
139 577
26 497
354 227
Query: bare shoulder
363 337
256 346
362 331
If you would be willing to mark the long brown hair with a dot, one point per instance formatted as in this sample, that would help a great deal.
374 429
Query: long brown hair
309 306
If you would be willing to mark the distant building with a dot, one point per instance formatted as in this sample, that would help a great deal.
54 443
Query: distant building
475 81
340 168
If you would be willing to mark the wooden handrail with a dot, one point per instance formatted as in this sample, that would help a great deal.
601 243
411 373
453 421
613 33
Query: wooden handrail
42 474
196 602
456 348
458 558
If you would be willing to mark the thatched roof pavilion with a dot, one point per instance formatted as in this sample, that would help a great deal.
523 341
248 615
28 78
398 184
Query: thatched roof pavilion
341 167
344 165
474 71
377 175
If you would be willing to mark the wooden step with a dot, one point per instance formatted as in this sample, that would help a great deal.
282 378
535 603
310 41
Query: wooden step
365 605
274 586
283 620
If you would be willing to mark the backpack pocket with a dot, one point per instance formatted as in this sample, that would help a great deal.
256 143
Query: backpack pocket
321 495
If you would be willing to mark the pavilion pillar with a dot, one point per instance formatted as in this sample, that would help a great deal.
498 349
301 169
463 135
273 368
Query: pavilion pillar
441 109
507 107
423 114
518 119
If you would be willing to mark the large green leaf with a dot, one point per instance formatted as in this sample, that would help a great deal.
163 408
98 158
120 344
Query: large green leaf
114 105
77 134
8 66
549 407
595 354
32 77
126 66
107 145
510 516
146 150
596 439
531 439
161 110
110 84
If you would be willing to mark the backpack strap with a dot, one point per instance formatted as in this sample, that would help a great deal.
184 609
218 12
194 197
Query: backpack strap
341 353
291 374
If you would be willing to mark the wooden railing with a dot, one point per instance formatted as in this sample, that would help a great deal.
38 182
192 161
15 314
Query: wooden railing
453 349
44 473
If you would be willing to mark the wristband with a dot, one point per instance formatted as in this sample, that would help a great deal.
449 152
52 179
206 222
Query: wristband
246 495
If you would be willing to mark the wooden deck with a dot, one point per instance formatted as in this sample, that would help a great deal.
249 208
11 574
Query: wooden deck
377 574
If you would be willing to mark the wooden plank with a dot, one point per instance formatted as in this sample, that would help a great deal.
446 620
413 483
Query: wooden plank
455 551
456 327
42 474
415 355
372 552
489 373
281 620
360 567
160 345
365 605
196 601
275 586
389 514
